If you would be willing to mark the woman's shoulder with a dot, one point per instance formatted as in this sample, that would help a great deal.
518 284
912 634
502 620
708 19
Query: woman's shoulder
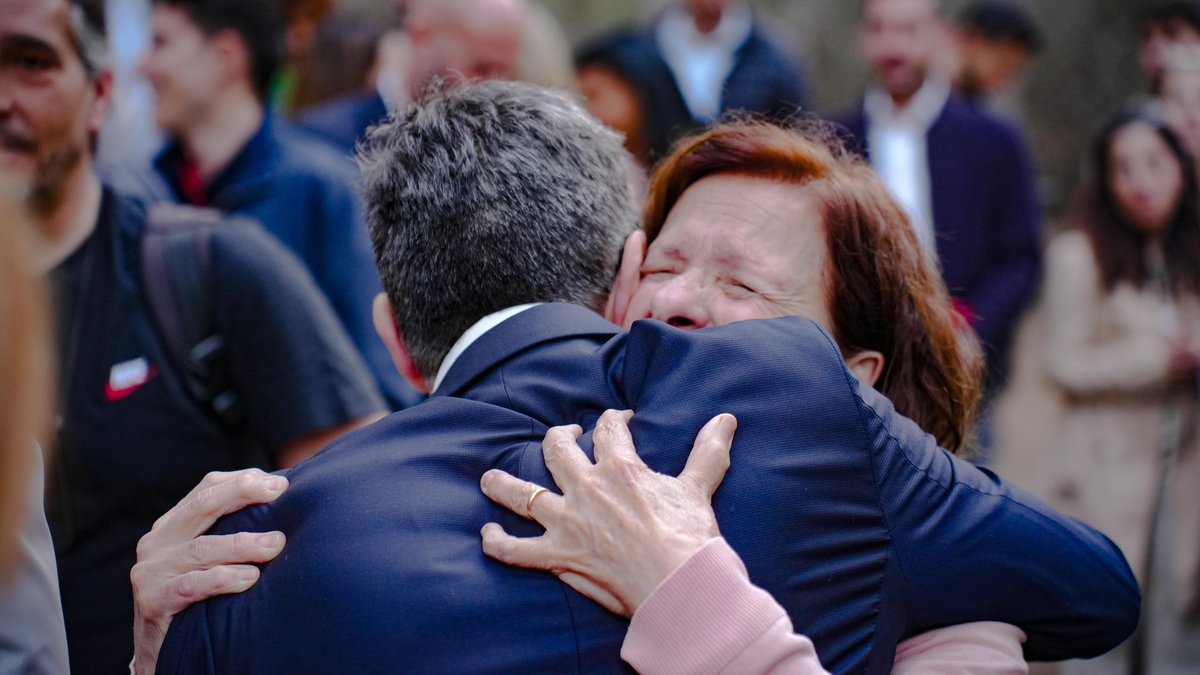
1071 246
1071 255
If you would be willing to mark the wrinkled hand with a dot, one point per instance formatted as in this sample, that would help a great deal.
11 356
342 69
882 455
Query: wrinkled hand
619 529
177 566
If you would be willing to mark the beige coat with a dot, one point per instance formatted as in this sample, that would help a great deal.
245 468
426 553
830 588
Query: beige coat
1082 425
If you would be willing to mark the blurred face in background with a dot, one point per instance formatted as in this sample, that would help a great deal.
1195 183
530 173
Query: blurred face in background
992 66
465 40
707 13
735 248
184 67
50 107
1155 42
615 102
899 39
1145 178
1181 105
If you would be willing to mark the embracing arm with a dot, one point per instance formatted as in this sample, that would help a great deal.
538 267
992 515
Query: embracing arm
178 566
1014 559
620 529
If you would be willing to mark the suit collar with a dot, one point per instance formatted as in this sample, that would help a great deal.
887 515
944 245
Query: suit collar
532 327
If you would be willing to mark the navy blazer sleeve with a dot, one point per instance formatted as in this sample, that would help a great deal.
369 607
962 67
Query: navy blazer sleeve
968 546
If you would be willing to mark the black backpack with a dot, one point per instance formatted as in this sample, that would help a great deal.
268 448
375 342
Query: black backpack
176 267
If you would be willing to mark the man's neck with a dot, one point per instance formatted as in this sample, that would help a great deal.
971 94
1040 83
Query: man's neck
212 143
65 227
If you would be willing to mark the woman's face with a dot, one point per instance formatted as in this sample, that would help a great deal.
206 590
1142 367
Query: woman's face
735 248
1145 178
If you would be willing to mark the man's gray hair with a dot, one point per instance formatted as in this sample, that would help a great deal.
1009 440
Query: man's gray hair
488 196
88 35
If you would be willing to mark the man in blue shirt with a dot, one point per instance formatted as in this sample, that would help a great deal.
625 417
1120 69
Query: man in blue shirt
210 65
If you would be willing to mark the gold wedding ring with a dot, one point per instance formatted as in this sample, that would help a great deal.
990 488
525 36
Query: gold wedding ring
529 503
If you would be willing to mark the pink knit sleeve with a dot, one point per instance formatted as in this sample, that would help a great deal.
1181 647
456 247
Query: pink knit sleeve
969 649
706 618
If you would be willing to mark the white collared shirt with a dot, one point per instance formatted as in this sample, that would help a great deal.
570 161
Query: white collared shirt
473 333
701 63
899 150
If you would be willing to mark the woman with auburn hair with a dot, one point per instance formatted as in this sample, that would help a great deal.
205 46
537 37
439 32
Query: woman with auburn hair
751 220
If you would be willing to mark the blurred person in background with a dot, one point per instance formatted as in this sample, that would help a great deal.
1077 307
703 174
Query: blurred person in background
995 41
131 439
702 59
302 20
211 65
1120 347
1179 96
344 60
613 93
337 96
33 640
545 55
965 178
451 40
1162 25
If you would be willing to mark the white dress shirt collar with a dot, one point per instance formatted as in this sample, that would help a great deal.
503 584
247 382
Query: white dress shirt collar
701 63
473 333
899 150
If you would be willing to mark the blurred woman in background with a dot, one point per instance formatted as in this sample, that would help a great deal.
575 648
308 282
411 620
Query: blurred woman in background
1121 350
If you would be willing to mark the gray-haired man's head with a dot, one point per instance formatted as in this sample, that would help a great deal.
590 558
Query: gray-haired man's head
489 196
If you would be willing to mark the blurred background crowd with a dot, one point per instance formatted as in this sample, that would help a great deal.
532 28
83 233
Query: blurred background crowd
1044 151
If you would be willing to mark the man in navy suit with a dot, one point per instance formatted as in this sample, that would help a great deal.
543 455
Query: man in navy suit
488 200
964 177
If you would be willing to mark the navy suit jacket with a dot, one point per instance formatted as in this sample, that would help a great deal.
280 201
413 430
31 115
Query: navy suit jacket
344 121
763 80
302 193
986 217
847 513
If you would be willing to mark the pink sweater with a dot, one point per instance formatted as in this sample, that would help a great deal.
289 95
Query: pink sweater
707 618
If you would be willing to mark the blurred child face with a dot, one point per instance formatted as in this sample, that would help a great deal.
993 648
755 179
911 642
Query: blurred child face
1181 106
1145 178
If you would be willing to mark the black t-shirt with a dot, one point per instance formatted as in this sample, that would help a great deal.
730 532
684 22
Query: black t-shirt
132 442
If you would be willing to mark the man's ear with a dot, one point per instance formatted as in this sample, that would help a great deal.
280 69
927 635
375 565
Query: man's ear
629 276
389 332
102 97
236 62
866 367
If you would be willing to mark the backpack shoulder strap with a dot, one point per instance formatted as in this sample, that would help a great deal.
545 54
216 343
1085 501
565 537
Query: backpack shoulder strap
176 266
